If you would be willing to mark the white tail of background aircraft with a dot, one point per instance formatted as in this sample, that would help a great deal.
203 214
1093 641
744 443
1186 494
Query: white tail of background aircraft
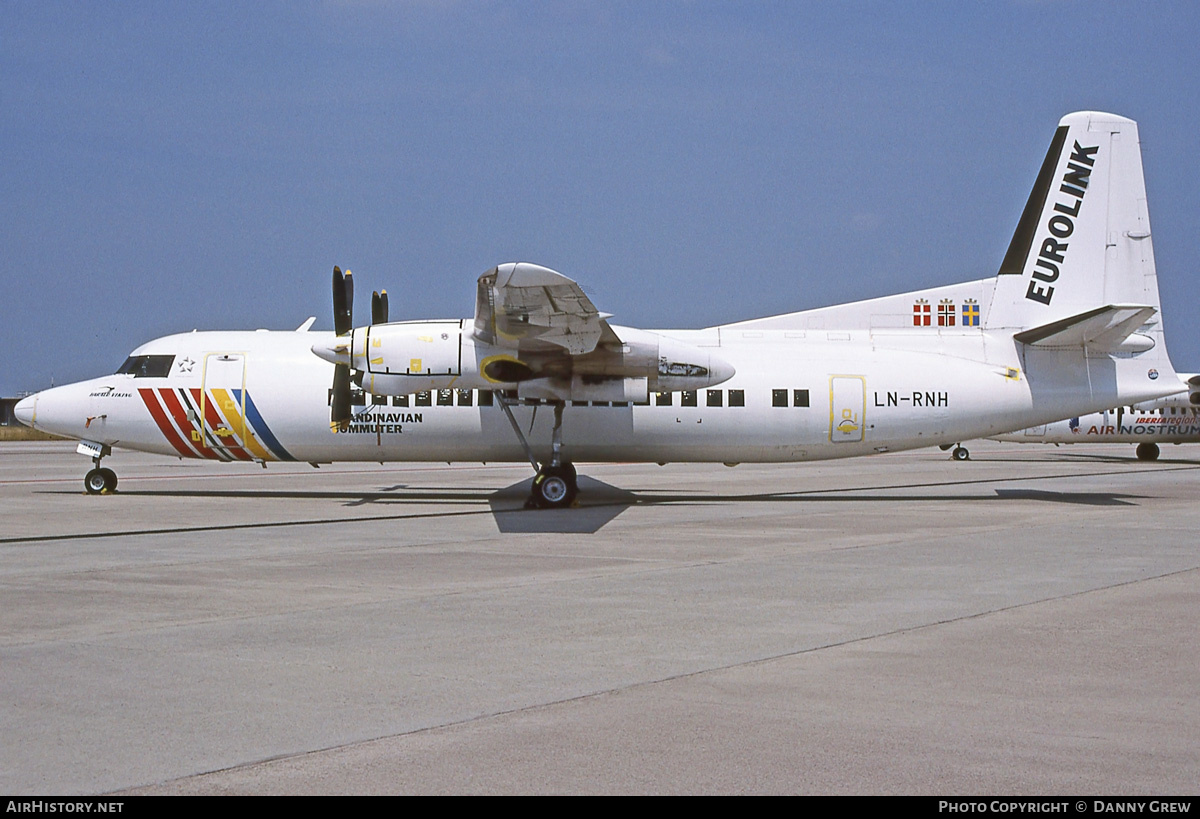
1070 325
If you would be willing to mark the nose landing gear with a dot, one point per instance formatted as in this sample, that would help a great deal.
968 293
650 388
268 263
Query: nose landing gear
100 480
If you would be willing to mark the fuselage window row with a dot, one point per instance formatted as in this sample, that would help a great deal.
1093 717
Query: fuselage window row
486 398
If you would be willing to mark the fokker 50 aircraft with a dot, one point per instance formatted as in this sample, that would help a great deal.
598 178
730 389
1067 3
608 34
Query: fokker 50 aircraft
1069 325
1172 420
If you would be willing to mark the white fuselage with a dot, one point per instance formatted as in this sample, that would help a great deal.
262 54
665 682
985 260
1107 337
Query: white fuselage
795 395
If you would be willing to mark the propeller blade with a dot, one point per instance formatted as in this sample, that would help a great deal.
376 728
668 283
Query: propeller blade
339 408
343 302
379 308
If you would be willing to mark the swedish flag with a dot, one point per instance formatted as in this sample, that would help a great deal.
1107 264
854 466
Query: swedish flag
970 314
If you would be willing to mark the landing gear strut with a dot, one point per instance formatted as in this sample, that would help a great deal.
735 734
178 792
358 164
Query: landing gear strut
556 484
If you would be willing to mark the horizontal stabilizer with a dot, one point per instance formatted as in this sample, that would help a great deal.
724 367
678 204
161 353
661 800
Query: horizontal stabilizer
1103 330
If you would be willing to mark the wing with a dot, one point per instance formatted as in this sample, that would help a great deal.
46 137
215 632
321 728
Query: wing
525 306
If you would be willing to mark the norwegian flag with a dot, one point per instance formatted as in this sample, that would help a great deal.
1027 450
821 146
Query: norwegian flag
946 313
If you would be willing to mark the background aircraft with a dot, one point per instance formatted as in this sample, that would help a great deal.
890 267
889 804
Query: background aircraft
1172 420
1069 325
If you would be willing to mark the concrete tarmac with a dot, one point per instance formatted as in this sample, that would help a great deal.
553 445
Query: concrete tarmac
1021 623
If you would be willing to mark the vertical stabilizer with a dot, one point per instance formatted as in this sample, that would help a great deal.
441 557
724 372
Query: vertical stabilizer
1083 241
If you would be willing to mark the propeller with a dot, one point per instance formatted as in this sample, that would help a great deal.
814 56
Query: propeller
379 308
343 301
343 323
338 352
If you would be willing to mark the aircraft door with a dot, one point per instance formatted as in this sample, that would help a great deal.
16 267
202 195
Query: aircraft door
221 404
847 408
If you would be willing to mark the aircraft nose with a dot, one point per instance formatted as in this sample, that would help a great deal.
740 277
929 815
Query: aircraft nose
26 410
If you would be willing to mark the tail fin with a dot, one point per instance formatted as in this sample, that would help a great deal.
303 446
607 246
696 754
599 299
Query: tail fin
1083 241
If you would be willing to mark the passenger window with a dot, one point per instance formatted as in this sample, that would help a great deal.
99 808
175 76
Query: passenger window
714 398
422 399
662 399
399 400
445 398
485 398
687 398
464 398
799 398
737 398
779 398
378 400
358 398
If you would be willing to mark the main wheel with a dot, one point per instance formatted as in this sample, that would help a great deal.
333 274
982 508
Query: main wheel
571 475
555 487
100 481
960 453
1147 452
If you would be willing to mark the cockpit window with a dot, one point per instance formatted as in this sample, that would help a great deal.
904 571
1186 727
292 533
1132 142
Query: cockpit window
147 366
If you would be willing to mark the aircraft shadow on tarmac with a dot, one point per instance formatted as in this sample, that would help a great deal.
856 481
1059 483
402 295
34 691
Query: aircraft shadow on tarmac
601 503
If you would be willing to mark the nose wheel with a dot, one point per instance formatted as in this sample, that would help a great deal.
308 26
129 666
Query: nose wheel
100 481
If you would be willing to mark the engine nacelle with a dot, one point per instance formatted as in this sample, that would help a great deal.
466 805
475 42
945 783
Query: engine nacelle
407 357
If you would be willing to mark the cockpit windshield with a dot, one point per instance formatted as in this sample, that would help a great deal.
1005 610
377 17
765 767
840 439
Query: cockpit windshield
147 366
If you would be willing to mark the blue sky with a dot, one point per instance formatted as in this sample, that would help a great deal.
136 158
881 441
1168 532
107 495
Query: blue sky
170 166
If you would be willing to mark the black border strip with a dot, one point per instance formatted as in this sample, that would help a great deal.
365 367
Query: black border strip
1022 240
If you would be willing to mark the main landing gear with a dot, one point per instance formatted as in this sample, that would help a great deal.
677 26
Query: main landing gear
556 484
554 487
958 451
1147 452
